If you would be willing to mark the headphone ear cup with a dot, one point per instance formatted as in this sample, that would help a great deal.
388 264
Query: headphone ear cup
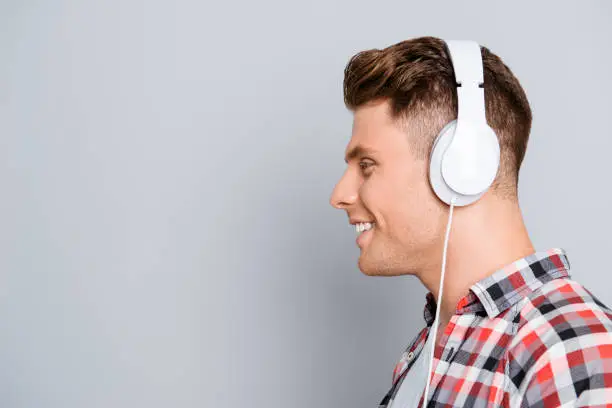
438 184
470 163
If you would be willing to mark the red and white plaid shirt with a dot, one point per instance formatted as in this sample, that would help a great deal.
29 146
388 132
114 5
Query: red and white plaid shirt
525 336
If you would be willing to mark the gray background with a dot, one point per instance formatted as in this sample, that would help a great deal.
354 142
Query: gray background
166 236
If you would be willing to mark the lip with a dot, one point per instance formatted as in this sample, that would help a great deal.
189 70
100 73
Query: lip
363 236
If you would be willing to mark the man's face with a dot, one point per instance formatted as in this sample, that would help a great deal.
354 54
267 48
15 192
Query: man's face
389 186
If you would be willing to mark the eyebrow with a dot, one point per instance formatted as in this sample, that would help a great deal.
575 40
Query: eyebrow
358 150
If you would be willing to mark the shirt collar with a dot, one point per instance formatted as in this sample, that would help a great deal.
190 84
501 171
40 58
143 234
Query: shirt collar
506 286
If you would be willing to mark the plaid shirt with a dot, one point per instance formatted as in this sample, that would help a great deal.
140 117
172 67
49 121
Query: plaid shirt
526 336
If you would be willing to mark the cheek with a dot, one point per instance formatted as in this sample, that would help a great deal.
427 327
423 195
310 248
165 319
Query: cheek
380 197
413 214
401 201
373 192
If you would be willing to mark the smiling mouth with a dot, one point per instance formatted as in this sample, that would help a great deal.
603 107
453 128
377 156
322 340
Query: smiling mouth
364 226
362 234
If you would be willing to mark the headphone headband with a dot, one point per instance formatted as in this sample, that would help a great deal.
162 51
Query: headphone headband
467 64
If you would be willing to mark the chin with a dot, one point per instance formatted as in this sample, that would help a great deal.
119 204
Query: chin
367 269
369 272
374 269
382 268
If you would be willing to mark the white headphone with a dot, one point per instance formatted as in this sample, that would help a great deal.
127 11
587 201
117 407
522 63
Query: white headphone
465 155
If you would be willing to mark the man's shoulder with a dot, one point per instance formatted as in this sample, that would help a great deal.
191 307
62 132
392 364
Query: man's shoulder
564 304
563 345
561 316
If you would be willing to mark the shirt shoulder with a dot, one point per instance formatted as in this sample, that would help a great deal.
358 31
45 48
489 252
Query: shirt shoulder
565 307
563 335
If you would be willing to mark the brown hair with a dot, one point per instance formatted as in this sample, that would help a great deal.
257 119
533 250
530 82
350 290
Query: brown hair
417 78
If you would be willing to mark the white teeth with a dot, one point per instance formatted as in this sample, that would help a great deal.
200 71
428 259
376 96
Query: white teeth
363 226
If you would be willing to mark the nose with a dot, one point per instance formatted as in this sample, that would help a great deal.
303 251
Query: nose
344 193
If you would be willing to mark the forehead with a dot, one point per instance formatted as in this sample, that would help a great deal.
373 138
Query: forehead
374 132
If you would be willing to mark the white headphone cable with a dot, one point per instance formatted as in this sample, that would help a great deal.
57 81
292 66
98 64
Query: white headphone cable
434 328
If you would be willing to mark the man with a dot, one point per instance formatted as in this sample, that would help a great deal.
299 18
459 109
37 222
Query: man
514 329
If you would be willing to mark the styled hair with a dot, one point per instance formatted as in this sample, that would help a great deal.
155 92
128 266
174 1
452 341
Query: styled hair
416 77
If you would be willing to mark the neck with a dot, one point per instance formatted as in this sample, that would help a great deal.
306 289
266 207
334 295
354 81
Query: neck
484 237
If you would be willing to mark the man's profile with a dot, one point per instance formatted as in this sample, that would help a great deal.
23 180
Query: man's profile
513 329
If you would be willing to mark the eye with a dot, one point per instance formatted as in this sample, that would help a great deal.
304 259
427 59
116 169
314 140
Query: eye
364 165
